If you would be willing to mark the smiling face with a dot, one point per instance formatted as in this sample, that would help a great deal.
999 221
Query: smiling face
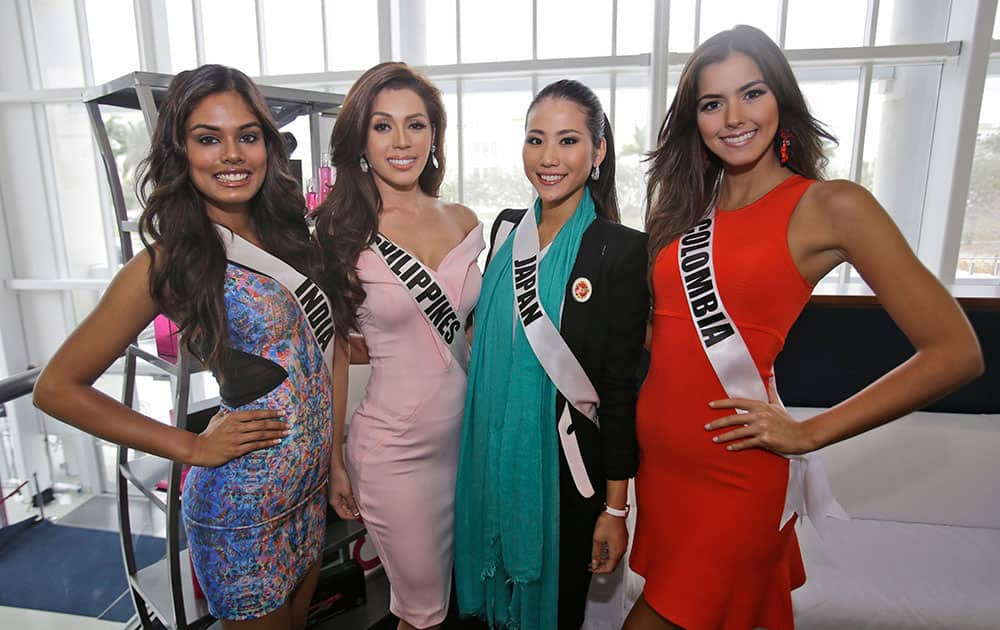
227 157
558 152
737 113
399 138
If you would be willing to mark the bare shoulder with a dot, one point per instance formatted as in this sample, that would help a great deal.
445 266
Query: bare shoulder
841 199
463 216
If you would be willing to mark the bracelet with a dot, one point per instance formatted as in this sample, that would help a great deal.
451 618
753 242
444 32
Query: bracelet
616 512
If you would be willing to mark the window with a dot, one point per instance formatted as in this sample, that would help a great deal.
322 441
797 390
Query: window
579 30
979 255
293 36
496 31
230 29
721 15
114 50
825 24
351 34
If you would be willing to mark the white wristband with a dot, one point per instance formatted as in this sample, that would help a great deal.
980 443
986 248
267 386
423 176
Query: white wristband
616 512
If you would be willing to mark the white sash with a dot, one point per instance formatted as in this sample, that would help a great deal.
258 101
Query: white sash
314 303
808 492
431 300
551 350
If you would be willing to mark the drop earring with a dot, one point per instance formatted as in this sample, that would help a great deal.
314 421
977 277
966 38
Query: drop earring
786 141
364 164
596 173
434 159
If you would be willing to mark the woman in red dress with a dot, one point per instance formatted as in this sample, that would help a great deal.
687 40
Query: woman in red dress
739 147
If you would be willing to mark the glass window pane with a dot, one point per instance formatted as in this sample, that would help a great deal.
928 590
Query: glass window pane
114 49
682 27
832 97
180 31
996 26
573 28
492 132
496 31
76 172
895 163
631 127
825 24
351 34
721 15
912 22
979 255
293 36
449 187
436 41
635 27
230 28
57 43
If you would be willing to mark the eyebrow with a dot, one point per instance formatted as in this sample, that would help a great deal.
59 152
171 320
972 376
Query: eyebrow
561 132
409 117
743 88
214 128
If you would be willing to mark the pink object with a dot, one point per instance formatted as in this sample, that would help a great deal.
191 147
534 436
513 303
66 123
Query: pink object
166 337
312 199
325 177
402 448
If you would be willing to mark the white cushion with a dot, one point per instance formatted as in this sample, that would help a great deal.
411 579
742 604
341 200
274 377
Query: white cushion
880 575
923 468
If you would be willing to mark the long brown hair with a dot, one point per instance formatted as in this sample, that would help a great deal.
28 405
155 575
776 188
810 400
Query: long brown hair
684 175
603 189
187 282
347 221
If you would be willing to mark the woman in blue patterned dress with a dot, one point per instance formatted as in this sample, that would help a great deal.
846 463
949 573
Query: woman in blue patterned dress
228 256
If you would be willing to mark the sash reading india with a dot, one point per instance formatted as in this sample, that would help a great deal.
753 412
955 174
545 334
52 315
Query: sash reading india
550 348
420 282
808 492
313 302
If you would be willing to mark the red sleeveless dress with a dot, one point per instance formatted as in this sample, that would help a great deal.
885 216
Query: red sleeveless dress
707 537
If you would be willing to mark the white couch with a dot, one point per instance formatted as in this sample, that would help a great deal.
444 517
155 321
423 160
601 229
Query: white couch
922 549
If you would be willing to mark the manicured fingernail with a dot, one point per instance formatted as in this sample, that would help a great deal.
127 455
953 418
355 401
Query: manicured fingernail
711 404
288 432
715 439
729 448
708 427
275 441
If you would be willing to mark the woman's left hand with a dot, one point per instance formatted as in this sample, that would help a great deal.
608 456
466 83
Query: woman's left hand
766 425
610 542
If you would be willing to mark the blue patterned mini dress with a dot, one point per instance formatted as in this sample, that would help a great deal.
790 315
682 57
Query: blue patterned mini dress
255 525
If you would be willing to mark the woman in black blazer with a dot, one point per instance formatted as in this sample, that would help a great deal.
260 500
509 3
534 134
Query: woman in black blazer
599 311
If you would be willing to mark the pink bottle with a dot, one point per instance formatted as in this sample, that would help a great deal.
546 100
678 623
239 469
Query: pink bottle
325 177
312 199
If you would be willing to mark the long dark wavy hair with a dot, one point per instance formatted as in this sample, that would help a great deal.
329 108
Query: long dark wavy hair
684 176
347 220
603 189
188 260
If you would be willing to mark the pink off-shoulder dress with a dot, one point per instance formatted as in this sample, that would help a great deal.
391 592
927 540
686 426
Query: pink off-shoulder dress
402 444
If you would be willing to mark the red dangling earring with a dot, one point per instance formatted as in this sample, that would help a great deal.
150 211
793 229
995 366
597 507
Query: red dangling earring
786 141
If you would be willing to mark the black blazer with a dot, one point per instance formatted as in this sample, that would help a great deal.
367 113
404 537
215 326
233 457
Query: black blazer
606 334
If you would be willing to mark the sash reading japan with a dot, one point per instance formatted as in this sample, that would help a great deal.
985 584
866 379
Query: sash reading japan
550 348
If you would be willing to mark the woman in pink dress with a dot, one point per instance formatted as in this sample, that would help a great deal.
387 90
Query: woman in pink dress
409 261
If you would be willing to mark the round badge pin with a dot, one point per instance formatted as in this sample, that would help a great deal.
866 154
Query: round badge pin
582 289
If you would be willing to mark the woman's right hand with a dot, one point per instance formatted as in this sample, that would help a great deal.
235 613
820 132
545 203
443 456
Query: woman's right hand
230 435
341 496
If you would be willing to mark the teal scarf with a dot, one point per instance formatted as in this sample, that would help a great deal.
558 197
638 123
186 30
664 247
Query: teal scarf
507 494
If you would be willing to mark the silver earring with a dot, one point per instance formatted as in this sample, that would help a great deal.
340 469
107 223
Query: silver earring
594 174
434 159
364 164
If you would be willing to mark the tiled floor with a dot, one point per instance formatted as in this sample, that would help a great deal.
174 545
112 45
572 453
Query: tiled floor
79 510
